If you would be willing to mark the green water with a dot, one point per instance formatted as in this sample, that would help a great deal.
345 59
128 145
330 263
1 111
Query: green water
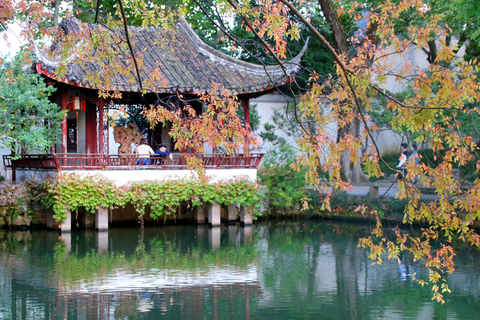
288 270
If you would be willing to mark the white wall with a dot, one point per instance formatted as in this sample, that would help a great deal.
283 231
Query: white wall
4 151
266 105
125 177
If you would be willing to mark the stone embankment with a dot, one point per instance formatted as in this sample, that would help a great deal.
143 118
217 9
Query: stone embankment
14 200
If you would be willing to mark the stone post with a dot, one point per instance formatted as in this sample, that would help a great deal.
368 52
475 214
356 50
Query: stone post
101 219
232 213
245 216
373 191
214 214
66 226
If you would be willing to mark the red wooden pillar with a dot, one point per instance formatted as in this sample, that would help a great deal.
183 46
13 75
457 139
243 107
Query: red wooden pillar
101 105
246 107
64 121
91 128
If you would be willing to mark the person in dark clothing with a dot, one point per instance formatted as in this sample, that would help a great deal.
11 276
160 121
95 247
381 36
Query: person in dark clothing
162 153
414 157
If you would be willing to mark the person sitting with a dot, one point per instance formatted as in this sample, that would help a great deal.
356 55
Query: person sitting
415 158
402 161
414 155
144 151
162 153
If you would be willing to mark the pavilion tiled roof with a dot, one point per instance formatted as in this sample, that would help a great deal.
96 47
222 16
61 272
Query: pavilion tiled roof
185 64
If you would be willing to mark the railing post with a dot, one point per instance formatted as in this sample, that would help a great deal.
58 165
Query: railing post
14 172
57 161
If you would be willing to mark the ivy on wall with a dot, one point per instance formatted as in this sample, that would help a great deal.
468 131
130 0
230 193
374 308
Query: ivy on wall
70 192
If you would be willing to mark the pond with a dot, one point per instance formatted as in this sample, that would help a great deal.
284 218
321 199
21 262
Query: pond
282 270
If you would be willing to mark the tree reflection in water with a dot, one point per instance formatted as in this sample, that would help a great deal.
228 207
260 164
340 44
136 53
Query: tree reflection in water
283 270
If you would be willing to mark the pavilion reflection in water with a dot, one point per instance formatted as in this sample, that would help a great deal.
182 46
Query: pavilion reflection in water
218 290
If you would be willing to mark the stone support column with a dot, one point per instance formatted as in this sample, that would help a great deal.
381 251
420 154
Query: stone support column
214 214
245 216
232 213
66 225
101 219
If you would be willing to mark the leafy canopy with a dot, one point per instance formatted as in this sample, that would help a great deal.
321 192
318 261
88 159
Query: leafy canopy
28 119
365 63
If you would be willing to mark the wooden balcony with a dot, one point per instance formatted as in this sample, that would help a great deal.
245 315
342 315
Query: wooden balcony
75 161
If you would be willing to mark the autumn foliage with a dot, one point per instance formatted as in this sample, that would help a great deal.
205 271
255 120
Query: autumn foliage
366 62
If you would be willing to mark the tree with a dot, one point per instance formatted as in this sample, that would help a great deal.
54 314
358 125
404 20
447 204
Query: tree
28 119
440 92
369 43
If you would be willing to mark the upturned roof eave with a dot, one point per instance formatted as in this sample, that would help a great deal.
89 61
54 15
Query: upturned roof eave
276 74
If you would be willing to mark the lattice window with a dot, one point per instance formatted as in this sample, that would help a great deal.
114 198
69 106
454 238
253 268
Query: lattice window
105 133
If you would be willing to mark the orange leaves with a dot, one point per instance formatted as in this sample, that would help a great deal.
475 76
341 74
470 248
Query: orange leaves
217 126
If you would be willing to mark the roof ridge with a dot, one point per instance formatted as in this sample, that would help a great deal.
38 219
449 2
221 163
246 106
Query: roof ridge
291 66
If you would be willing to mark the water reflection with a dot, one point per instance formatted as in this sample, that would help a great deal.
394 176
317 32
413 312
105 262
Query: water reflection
295 270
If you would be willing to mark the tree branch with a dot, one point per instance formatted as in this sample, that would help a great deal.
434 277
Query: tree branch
125 25
346 71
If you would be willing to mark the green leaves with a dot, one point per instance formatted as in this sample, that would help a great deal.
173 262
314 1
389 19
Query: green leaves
28 119
71 192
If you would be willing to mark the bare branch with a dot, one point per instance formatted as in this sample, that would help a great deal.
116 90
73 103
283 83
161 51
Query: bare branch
125 25
97 11
389 96
346 71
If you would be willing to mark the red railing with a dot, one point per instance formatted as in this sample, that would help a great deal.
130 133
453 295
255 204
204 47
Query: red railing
66 161
31 161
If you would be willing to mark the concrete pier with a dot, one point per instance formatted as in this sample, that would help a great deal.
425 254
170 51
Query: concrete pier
232 213
214 214
66 226
246 216
101 219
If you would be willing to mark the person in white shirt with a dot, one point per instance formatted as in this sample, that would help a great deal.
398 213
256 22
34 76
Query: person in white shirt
402 161
144 151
